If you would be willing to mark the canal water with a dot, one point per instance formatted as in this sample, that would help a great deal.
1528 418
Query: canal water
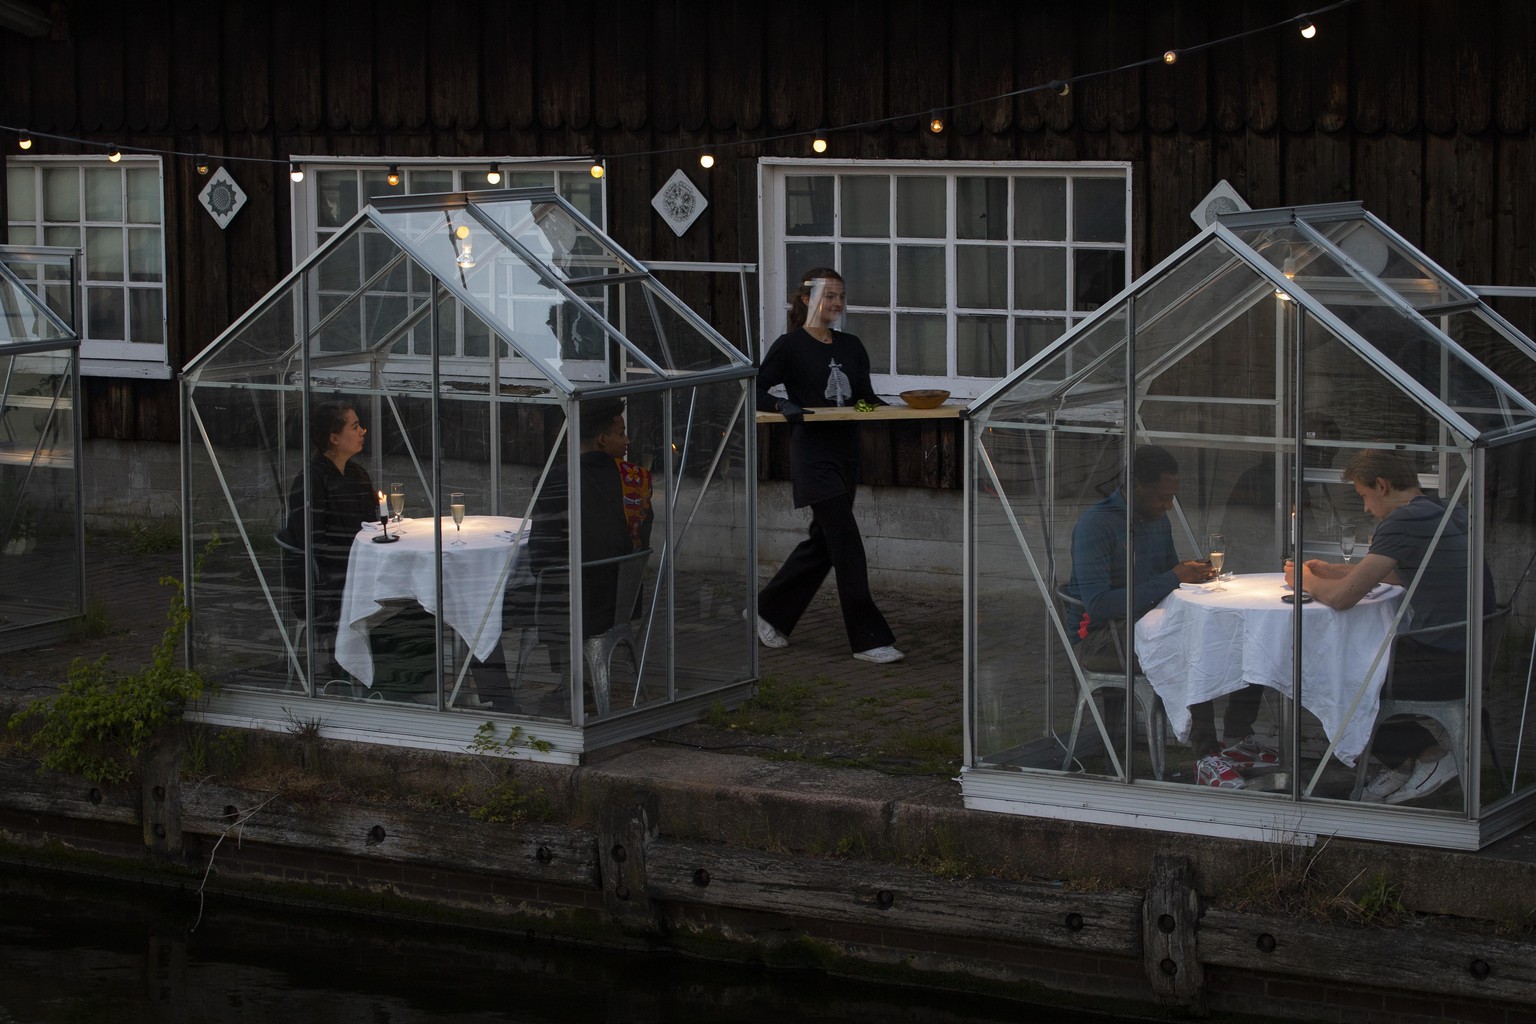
75 951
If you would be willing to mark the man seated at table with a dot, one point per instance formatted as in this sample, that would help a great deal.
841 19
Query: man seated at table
1098 582
1426 666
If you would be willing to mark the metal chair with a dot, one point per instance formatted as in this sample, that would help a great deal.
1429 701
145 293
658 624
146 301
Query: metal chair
1146 698
1450 714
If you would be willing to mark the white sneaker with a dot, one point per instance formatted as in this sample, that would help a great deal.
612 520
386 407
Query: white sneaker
769 636
880 655
1427 777
1383 784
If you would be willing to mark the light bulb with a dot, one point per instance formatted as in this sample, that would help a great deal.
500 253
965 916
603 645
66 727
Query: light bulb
493 175
1061 88
25 142
1170 56
461 232
596 170
295 172
466 257
706 161
1308 30
935 122
114 154
393 177
201 163
819 144
1289 268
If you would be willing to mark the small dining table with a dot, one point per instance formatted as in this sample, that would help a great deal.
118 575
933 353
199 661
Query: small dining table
1206 640
478 561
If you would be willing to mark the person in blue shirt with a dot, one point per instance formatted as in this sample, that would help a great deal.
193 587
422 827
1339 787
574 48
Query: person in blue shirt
1098 583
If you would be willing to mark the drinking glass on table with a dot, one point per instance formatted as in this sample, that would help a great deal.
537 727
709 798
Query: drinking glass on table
1347 543
1218 556
396 500
456 506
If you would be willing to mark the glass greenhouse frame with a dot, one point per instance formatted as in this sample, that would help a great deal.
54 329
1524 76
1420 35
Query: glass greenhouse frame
415 590
42 534
1271 357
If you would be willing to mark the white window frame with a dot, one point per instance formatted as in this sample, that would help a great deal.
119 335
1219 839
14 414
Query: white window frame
775 277
117 357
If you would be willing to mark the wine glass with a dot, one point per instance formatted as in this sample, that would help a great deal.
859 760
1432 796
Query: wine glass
1347 543
456 506
396 500
1218 555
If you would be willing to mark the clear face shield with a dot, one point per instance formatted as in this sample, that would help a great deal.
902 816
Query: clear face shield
824 306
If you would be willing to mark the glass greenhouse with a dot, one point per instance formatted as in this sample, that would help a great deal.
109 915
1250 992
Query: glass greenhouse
42 587
1292 384
381 461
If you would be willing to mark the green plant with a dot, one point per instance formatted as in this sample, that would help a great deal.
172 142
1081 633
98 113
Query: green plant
1382 900
97 622
102 724
504 800
151 536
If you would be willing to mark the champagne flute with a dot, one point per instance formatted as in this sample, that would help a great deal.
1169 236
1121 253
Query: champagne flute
1347 543
456 506
1218 555
396 500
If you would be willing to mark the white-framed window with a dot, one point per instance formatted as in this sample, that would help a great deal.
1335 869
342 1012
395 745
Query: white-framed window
957 272
115 214
334 190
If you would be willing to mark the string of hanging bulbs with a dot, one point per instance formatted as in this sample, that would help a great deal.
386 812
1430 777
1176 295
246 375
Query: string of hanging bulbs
936 118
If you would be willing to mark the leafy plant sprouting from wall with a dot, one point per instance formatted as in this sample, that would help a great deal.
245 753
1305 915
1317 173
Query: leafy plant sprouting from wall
102 724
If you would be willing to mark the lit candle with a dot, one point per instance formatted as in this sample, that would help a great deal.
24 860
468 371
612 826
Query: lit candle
383 507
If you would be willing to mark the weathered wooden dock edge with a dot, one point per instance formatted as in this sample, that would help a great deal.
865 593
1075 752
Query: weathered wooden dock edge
683 848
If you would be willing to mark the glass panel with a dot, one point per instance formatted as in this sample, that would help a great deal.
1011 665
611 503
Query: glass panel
143 254
981 346
20 195
867 273
23 234
920 276
61 194
584 194
802 256
103 254
335 198
1098 276
981 207
866 206
21 316
104 314
874 330
1509 360
921 345
419 181
375 182
1040 209
1039 278
146 318
66 236
1395 263
808 204
143 195
981 278
920 207
1508 762
1032 334
528 179
1098 209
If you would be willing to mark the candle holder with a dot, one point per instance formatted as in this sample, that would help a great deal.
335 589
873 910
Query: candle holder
385 538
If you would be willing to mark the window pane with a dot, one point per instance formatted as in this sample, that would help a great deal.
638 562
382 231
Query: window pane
584 193
874 330
336 198
103 254
981 277
1040 209
146 316
1098 210
143 195
981 208
418 182
61 194
104 314
477 336
143 254
61 235
921 345
981 346
808 204
866 206
920 207
103 193
867 274
1039 278
802 256
527 179
920 276
21 195
376 183
1031 334
1098 275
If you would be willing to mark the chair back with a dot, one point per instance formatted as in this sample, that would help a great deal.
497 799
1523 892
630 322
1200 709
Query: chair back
630 577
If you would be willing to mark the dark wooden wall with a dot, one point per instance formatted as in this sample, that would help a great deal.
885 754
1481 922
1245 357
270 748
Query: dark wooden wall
1422 109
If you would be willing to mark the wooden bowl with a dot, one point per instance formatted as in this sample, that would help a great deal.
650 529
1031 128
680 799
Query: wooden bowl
925 398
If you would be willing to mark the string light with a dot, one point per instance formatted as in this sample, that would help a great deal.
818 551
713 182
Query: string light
295 172
1170 56
819 144
113 153
1059 87
596 170
25 142
493 175
706 160
1308 29
393 177
201 163
935 122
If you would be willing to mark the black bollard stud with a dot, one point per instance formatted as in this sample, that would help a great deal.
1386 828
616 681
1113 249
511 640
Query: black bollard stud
1479 969
1074 922
377 835
700 878
1266 943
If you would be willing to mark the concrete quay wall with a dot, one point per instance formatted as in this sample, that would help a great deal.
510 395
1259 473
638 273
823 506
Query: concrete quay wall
848 870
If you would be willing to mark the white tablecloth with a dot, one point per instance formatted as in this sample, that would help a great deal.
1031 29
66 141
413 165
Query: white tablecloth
1199 644
474 578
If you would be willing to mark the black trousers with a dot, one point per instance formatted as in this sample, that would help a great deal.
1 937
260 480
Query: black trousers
833 545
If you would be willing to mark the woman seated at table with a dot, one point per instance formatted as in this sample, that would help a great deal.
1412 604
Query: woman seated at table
1426 666
341 499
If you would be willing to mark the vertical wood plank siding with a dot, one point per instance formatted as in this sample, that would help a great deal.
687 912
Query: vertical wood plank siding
1419 108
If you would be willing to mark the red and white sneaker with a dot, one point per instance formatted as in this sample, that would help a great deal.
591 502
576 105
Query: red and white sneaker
1249 753
1217 772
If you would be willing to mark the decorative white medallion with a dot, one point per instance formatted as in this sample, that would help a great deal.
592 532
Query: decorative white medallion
222 198
679 202
1219 200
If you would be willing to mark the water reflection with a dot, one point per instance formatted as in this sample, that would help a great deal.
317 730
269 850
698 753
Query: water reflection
73 951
